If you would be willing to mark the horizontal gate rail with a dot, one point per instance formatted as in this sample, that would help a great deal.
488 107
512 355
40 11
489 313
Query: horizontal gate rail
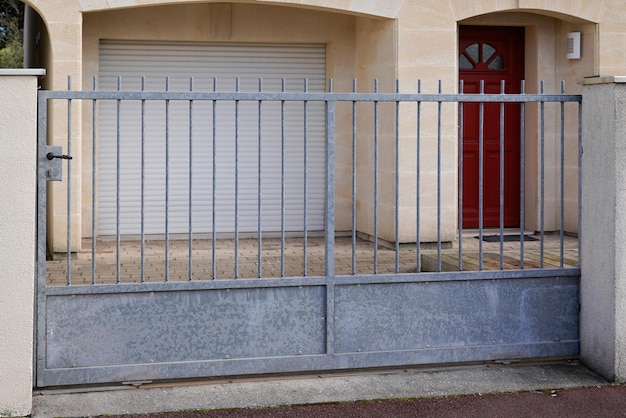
381 279
302 96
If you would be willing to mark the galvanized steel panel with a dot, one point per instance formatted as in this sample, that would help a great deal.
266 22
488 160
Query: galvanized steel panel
195 333
404 316
184 326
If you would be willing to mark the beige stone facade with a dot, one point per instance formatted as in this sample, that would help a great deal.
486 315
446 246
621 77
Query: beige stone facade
388 40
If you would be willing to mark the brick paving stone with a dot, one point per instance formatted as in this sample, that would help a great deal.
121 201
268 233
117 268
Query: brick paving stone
293 250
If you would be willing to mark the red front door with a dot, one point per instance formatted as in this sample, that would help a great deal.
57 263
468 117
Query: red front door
491 54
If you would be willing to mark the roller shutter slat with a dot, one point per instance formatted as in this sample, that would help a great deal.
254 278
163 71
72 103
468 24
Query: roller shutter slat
180 61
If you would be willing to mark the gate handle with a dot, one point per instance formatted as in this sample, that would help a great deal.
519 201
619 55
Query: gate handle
51 156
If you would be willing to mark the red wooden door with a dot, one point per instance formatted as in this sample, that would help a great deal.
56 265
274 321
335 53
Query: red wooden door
491 54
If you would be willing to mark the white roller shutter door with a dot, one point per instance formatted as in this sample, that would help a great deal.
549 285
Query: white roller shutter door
185 159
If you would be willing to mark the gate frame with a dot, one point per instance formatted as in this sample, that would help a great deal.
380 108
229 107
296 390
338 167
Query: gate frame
338 291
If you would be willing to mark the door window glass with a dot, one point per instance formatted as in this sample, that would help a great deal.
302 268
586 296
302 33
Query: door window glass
481 56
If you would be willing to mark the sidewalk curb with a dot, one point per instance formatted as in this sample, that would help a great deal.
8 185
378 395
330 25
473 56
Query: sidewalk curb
407 383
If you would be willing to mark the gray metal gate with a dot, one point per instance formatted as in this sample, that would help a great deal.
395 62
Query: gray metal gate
277 302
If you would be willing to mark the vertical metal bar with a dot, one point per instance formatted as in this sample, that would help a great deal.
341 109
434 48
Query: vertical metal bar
117 185
282 183
94 124
397 188
580 181
354 190
306 179
522 173
167 182
237 181
190 182
481 117
376 180
562 174
460 207
260 187
417 181
143 183
439 181
214 184
42 220
69 184
329 226
330 315
502 87
542 175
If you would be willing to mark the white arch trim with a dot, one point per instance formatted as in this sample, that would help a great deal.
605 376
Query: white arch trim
380 8
590 11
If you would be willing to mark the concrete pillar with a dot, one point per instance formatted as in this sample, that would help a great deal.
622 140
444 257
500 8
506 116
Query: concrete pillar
18 185
603 249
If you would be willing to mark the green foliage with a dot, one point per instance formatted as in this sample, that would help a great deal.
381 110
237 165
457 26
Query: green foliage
11 34
12 55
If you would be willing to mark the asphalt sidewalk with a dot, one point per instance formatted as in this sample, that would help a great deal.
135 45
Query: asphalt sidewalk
524 390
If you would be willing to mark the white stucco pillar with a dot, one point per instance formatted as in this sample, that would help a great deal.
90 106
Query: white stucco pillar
603 249
18 185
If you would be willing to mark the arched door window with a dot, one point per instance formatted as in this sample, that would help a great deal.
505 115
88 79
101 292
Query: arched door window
481 56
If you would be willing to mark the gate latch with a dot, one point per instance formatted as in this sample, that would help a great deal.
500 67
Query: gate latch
52 156
52 163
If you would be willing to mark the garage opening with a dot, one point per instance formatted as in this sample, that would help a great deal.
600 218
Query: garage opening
208 160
